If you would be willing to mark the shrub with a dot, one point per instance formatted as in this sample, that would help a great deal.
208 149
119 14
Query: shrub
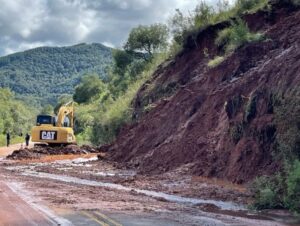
203 14
281 190
243 6
266 199
236 35
268 191
179 26
216 61
287 120
292 197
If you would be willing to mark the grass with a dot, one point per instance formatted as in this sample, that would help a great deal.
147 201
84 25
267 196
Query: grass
235 36
216 61
204 15
249 6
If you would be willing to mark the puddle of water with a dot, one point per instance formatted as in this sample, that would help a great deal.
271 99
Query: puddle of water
76 161
104 174
65 168
171 198
113 174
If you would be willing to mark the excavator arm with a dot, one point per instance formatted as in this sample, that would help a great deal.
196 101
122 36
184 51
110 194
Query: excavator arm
65 111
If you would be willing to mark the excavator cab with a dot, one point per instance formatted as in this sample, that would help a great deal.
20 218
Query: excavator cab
45 119
55 130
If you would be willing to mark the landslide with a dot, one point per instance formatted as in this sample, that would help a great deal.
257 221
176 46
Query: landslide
218 122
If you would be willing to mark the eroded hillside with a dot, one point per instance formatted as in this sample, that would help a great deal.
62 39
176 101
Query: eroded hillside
219 122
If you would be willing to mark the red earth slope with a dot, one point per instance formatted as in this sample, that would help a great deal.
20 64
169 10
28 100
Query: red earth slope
197 112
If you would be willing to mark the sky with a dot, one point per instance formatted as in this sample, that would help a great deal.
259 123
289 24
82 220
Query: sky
26 24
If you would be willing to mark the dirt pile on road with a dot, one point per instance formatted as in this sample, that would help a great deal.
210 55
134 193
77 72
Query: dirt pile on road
24 154
218 121
38 152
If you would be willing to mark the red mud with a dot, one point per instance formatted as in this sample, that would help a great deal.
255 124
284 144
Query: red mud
39 152
197 121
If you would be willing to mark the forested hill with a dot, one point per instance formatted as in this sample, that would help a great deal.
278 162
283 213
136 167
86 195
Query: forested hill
45 73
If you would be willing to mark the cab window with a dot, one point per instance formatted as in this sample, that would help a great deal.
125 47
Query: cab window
44 119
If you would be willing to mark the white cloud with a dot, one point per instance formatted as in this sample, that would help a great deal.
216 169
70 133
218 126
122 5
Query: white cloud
11 48
29 23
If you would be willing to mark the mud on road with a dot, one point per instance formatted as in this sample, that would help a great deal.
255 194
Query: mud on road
80 183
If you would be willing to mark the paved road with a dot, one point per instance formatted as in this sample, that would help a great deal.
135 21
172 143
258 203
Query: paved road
96 218
16 212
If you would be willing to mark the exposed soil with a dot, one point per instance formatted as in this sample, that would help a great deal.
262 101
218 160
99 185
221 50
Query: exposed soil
219 122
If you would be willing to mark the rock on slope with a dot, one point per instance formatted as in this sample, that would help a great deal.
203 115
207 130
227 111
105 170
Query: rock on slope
218 121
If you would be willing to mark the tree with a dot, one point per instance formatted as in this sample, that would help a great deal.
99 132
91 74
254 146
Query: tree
148 39
47 110
121 60
63 99
89 87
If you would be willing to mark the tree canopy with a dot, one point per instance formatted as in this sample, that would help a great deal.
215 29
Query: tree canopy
43 74
148 39
89 87
15 117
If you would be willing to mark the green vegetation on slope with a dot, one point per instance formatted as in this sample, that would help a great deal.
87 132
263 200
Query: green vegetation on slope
204 15
43 74
235 36
15 117
282 189
229 39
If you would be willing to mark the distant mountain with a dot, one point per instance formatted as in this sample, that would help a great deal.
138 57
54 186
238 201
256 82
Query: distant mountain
45 73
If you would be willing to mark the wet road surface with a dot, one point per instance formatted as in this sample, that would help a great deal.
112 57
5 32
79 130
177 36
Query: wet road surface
15 211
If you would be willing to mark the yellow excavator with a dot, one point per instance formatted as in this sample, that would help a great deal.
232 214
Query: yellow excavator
55 130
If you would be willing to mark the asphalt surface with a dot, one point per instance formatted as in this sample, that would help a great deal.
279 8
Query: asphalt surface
14 211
